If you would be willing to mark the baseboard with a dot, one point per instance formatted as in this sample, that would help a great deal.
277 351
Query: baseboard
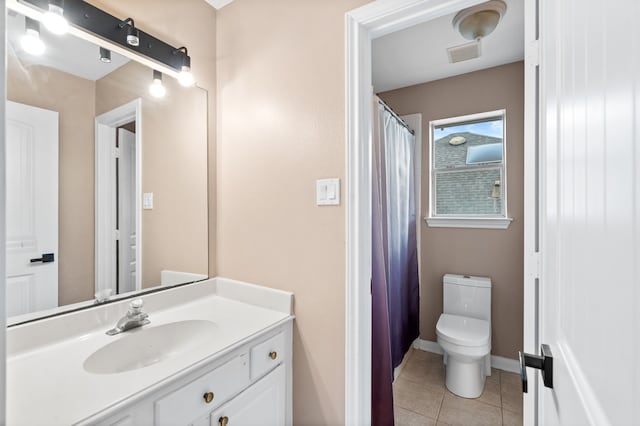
498 362
398 369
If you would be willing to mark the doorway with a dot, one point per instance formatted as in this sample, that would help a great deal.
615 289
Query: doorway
118 189
362 26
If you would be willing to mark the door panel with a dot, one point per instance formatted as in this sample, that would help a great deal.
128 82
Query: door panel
32 208
590 215
127 210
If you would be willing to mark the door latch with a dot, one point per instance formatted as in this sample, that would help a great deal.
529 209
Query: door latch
543 362
46 258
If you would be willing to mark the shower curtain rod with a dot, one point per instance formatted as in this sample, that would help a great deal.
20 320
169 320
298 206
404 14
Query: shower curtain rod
396 116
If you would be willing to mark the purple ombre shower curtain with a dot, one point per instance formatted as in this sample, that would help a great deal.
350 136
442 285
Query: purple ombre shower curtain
394 286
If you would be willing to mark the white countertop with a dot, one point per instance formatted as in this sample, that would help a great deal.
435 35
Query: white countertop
46 381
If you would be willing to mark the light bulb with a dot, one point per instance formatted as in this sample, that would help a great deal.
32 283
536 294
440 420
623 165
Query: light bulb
185 77
54 19
105 55
31 42
157 89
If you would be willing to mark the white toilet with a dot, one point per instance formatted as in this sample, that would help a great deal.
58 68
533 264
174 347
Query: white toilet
464 333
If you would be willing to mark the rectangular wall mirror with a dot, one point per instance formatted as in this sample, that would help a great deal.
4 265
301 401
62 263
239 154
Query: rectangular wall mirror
106 178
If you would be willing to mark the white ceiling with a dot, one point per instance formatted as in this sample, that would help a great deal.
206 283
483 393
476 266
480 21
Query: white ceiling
65 53
419 54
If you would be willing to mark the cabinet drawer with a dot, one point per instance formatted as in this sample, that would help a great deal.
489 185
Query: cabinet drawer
188 403
267 355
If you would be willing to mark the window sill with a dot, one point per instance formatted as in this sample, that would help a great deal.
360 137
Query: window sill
467 222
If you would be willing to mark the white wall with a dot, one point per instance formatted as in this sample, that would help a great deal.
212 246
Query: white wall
2 212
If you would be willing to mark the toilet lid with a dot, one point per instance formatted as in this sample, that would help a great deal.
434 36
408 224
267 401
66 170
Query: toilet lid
463 331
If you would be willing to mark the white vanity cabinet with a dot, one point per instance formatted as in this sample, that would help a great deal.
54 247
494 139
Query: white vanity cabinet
261 404
250 385
235 365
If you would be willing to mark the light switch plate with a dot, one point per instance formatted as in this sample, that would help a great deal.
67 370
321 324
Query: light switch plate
328 192
147 201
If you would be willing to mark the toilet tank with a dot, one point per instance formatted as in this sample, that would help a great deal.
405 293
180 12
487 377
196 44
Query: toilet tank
467 296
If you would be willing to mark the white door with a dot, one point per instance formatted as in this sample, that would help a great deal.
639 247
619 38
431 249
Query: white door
32 209
262 404
126 211
590 211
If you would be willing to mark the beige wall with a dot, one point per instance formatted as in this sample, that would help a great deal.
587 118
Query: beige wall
190 23
494 253
74 99
174 169
280 127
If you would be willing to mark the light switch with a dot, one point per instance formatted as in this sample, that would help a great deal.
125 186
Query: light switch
328 192
147 201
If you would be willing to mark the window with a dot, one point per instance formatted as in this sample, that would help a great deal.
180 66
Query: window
468 173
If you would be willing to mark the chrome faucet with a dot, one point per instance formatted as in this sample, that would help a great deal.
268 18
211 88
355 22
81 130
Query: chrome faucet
135 318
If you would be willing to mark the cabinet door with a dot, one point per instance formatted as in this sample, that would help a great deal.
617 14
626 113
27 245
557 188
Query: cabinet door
261 404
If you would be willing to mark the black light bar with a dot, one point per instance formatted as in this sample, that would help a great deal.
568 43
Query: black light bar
100 23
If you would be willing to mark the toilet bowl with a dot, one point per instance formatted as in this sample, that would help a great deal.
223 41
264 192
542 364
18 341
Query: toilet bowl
467 345
464 333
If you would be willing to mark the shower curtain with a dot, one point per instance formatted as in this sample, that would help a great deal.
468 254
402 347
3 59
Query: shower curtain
394 286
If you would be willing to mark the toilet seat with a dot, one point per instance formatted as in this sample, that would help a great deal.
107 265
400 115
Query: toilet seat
463 331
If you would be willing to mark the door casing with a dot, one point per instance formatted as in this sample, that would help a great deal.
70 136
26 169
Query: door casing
105 190
362 25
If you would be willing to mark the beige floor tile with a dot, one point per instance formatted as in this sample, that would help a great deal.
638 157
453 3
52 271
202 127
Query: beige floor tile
423 369
509 418
417 397
409 418
511 390
491 393
468 412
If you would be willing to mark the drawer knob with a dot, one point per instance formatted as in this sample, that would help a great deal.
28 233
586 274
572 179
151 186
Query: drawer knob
208 397
273 354
224 421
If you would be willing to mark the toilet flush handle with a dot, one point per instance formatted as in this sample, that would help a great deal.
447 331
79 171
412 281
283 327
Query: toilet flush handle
543 362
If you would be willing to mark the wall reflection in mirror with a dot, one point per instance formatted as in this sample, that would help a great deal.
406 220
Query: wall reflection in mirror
107 173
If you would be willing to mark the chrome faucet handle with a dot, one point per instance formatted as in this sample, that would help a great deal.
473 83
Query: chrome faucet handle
135 307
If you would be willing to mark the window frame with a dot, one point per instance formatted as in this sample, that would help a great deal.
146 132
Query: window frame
488 221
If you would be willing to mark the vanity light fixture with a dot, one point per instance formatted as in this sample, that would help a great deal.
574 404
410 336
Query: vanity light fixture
157 89
105 55
133 35
54 18
86 17
31 42
185 77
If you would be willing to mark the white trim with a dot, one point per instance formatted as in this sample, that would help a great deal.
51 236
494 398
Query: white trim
398 370
497 362
361 26
462 119
428 346
218 4
531 258
105 258
467 222
3 208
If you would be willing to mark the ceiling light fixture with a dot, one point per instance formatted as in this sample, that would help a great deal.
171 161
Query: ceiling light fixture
105 55
30 41
54 18
185 77
133 35
157 89
479 21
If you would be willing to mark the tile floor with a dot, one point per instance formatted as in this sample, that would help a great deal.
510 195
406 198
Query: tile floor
422 399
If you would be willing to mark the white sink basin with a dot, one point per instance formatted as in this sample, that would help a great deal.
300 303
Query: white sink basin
148 345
